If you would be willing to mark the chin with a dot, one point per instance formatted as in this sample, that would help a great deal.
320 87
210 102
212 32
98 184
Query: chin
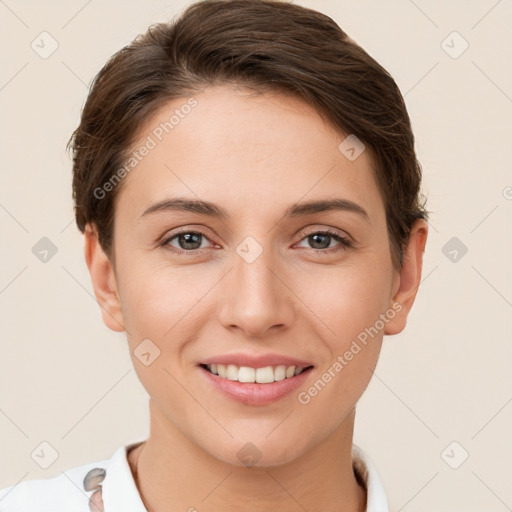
260 452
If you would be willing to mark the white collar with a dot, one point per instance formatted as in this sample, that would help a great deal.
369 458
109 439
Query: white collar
66 492
376 500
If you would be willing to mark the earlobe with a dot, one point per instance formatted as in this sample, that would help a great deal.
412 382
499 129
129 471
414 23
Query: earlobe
103 281
409 277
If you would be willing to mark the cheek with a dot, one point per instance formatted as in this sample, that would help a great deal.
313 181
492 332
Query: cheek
347 300
166 306
351 305
158 308
154 297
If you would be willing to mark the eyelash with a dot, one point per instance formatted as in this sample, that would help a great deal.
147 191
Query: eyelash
345 243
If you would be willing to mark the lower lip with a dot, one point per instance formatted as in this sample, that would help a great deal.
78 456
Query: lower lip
253 393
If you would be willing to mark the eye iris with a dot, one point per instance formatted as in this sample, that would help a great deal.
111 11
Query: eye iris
189 238
315 240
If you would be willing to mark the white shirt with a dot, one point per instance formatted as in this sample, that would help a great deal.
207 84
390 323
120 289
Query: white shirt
66 493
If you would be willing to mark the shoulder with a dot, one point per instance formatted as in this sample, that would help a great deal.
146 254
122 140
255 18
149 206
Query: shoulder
62 493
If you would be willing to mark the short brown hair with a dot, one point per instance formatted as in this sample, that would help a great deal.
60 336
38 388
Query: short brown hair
266 45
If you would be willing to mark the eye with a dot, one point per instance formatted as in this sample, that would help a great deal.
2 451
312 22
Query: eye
191 241
188 241
321 241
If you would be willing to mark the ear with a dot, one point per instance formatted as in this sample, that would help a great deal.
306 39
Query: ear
407 279
103 281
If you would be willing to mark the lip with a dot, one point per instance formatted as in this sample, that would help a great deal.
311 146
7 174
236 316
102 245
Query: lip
256 394
257 361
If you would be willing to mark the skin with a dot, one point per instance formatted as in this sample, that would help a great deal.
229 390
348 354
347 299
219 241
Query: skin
254 155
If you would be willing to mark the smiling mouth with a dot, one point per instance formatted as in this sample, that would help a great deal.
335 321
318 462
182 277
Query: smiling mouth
265 375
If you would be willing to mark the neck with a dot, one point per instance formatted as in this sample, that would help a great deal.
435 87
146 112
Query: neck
174 474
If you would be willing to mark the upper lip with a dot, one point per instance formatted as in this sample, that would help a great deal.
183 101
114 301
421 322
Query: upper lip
256 361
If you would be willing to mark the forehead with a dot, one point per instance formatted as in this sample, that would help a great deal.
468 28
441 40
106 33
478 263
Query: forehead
247 150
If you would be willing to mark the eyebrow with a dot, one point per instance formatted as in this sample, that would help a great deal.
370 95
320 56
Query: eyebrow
296 210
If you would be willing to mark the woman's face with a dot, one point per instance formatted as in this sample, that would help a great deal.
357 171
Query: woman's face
262 280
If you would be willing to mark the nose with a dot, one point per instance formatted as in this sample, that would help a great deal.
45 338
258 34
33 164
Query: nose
256 296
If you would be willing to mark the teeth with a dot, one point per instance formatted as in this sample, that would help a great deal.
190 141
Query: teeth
280 372
265 375
221 369
247 374
231 372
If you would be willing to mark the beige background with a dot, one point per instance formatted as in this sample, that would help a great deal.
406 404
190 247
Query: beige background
67 380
